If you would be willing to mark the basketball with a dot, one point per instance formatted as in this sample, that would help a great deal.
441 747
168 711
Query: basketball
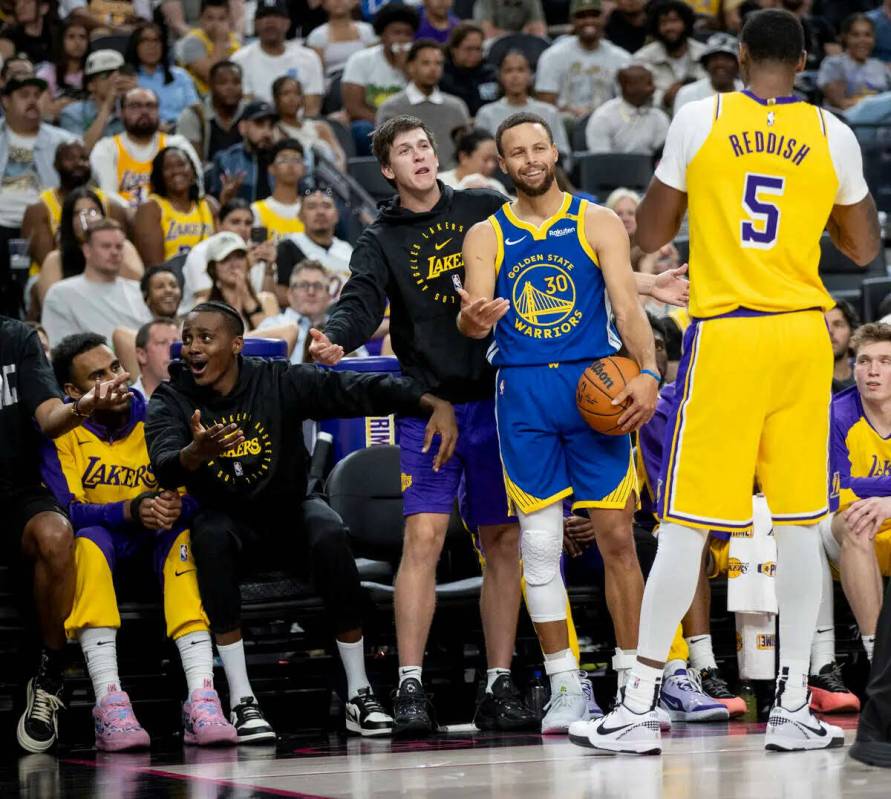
599 384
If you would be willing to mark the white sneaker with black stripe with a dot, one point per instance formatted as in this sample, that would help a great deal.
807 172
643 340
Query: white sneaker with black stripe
799 730
621 731
365 715
250 724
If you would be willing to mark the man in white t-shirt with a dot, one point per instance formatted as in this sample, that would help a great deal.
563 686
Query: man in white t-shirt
99 300
122 164
721 62
578 73
153 342
272 56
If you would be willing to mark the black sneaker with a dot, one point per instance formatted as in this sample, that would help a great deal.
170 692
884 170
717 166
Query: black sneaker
412 711
38 727
715 686
503 709
365 715
250 724
829 694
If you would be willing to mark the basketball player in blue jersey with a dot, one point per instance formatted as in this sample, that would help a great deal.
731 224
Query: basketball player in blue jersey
559 268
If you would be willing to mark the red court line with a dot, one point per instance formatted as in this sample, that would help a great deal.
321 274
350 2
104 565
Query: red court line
153 772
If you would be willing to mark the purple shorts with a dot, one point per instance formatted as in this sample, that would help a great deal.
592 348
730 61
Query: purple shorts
474 474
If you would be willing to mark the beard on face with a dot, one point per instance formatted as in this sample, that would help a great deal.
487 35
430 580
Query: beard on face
142 126
537 190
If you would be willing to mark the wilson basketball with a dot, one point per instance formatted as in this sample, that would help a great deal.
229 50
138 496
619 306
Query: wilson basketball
599 384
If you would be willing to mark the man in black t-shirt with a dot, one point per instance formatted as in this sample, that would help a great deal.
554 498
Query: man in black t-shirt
36 528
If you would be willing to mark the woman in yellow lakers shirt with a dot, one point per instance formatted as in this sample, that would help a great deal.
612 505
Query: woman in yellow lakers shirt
173 219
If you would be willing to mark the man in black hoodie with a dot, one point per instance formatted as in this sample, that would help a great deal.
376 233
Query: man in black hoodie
230 430
411 255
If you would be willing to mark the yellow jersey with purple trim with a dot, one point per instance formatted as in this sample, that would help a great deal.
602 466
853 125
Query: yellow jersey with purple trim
133 175
182 231
559 309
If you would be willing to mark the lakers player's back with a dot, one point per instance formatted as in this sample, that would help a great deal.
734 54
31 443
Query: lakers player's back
761 177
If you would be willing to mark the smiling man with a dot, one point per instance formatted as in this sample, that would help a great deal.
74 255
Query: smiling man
230 429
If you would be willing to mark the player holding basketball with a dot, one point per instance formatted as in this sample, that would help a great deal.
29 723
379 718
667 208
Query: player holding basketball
763 173
557 266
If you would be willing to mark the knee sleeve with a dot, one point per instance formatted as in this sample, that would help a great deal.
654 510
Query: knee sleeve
541 544
830 545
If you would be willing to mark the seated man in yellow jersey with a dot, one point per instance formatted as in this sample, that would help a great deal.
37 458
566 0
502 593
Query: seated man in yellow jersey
42 218
122 164
101 473
279 213
208 44
787 170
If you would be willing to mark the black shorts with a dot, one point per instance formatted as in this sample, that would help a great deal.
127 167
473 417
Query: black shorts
22 505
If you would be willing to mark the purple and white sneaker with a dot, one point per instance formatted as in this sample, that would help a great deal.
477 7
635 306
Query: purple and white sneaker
684 700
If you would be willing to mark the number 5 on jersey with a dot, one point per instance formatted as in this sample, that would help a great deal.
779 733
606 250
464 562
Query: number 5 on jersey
761 229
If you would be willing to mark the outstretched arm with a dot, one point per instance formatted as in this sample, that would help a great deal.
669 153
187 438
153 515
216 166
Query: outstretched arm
479 311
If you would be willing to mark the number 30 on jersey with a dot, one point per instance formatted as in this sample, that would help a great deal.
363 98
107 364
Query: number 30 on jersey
762 227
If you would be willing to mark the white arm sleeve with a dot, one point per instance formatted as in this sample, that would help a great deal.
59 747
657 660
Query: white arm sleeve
847 160
687 133
104 163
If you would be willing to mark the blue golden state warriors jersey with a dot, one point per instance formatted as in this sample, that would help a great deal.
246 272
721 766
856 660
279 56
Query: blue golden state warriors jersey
559 308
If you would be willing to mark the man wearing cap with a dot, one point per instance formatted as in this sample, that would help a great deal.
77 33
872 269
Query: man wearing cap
578 73
27 151
97 115
242 170
121 164
272 56
720 60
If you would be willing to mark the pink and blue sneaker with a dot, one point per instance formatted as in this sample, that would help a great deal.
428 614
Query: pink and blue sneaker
117 729
203 721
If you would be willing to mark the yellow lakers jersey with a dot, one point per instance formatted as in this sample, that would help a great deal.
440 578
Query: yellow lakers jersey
760 190
278 226
133 175
182 231
202 37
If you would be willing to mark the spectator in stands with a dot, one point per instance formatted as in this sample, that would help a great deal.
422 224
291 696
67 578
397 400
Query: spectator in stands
38 532
578 73
162 291
881 18
819 35
518 16
41 335
466 74
212 125
315 135
147 53
674 55
870 111
627 25
437 20
119 17
842 321
272 55
515 77
29 33
122 163
720 60
17 66
153 341
41 222
126 519
317 243
246 501
27 153
309 298
81 208
99 300
847 78
211 43
835 11
235 216
242 170
441 112
340 36
174 218
64 74
96 116
229 271
630 123
372 75
624 202
477 162
279 213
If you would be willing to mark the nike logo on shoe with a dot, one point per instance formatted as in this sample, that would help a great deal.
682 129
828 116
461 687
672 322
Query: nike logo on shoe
604 730
819 731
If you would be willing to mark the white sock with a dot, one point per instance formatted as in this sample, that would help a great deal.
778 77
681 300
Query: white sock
673 667
623 662
869 642
492 675
196 654
100 652
799 591
409 673
669 589
235 666
823 643
642 688
353 658
563 669
701 654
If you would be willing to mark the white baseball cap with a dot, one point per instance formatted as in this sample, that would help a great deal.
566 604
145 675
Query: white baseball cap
221 245
103 61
